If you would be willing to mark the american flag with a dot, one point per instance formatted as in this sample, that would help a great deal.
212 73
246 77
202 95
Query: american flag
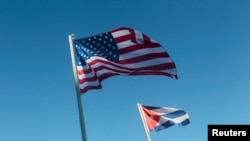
158 118
122 51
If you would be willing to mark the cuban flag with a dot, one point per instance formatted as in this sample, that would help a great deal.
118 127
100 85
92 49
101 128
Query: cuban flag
158 118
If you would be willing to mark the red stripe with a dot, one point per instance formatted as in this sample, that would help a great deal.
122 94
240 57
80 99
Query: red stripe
144 57
154 73
86 71
93 62
119 29
138 47
85 89
106 75
89 79
122 38
160 66
100 78
146 39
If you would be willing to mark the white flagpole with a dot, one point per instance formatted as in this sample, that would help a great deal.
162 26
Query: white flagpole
144 122
78 94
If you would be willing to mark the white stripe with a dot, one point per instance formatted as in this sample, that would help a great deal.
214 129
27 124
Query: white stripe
162 120
163 71
103 71
120 33
84 75
139 37
125 44
85 67
176 120
180 119
164 110
140 52
98 64
170 71
88 83
153 41
156 61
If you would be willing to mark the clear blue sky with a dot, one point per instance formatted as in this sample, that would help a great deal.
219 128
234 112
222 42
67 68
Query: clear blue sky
209 40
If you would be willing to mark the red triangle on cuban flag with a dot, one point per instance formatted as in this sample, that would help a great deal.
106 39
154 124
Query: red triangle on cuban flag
151 118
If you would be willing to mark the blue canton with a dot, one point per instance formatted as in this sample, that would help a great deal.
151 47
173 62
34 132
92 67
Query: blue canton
102 45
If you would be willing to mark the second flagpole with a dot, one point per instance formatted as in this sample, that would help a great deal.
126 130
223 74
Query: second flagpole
78 94
144 122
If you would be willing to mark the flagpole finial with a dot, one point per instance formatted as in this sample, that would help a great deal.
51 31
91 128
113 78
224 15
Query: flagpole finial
71 35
